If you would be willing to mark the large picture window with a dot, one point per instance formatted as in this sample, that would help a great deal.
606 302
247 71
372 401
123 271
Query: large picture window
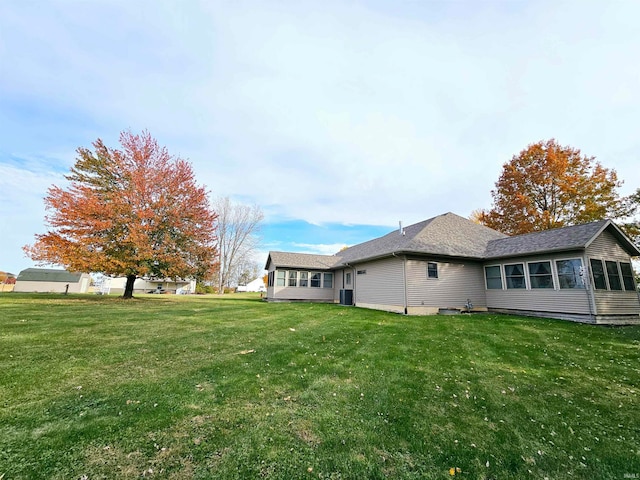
569 273
613 275
514 275
597 272
540 275
627 276
493 276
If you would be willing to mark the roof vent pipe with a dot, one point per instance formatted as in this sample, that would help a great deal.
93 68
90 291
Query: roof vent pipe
400 230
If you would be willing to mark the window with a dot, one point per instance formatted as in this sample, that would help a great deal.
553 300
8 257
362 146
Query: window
493 276
569 273
627 276
315 279
281 279
514 274
347 280
362 272
304 279
432 270
328 280
597 271
613 275
293 278
270 279
540 275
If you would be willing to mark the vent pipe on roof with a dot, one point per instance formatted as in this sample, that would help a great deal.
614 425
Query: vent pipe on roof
400 230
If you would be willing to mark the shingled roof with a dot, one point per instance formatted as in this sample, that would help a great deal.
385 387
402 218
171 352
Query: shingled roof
302 260
560 239
446 235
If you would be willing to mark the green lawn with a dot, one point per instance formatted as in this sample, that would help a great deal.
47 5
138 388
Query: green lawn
204 387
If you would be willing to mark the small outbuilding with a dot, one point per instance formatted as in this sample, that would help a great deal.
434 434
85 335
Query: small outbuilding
48 280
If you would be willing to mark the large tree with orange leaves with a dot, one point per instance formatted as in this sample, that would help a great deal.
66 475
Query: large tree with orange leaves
134 212
547 186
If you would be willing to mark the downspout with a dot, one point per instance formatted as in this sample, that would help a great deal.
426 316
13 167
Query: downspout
404 280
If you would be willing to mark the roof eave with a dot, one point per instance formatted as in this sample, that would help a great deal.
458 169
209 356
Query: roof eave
535 252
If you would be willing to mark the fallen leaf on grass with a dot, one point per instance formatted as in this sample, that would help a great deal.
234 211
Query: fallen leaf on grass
244 352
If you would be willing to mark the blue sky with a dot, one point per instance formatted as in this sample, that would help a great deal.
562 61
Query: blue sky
338 118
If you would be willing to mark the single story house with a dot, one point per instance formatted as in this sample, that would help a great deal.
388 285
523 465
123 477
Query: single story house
51 280
581 273
116 285
256 285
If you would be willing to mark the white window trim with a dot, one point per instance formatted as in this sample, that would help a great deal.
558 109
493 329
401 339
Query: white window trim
437 271
526 277
557 274
502 279
555 284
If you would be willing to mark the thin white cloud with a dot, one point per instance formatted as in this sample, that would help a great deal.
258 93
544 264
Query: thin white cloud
320 248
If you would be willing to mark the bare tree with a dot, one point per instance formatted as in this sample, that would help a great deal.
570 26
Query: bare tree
238 227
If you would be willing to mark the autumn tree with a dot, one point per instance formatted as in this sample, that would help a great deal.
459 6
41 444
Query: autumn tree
630 224
237 228
134 212
547 186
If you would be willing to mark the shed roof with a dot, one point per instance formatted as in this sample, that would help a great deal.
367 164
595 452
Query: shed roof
48 275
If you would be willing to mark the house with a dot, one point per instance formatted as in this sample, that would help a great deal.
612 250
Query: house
256 285
116 285
51 280
581 273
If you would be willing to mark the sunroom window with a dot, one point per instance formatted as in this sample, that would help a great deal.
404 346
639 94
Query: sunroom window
315 279
613 275
597 272
627 276
514 275
540 275
569 273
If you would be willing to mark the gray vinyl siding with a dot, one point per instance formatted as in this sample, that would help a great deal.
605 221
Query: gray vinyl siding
456 283
382 284
618 302
572 301
303 293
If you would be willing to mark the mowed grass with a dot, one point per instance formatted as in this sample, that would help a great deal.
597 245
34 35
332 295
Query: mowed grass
206 387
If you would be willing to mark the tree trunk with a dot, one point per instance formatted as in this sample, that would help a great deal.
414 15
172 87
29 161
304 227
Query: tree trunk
128 289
